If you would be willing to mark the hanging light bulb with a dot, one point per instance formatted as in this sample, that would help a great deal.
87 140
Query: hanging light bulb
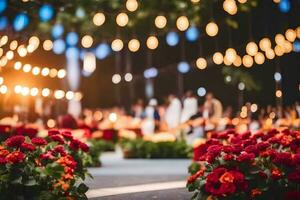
270 54
279 39
117 45
122 19
279 50
133 45
53 73
218 58
152 42
132 5
22 51
87 41
3 40
201 63
259 58
290 35
160 21
99 19
288 47
252 48
230 54
89 63
48 45
182 23
238 61
247 61
227 62
230 7
59 94
265 44
212 29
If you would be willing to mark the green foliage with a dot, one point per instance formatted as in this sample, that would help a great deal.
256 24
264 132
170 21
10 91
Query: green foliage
97 146
146 149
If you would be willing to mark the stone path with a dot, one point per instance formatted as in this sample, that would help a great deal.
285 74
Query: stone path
136 179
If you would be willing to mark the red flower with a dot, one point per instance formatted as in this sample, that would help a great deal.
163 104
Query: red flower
5 129
30 132
28 146
283 158
275 174
246 157
255 192
294 176
53 132
76 145
15 141
252 149
15 157
57 138
67 135
3 161
47 156
60 149
228 157
200 151
39 141
263 145
194 177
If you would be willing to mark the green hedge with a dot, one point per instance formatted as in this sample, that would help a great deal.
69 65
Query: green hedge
97 146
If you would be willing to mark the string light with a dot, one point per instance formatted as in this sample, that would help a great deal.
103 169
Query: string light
99 19
227 62
47 45
218 58
3 40
1 80
17 65
13 45
53 73
36 70
117 45
212 29
132 5
152 42
59 94
10 55
160 21
230 7
45 71
259 58
279 50
270 54
22 51
3 89
201 63
128 77
238 61
265 44
87 41
61 73
34 92
116 78
89 63
70 95
182 23
45 92
279 39
26 68
133 45
247 61
278 93
122 19
230 54
290 35
252 48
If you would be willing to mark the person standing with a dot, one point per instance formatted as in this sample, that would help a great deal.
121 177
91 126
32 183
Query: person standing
173 112
151 119
190 107
212 108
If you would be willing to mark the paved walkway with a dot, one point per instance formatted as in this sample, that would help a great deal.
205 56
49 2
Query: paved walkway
135 179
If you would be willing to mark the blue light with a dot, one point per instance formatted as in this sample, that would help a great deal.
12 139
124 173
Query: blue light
80 13
3 5
57 30
3 22
46 12
285 6
172 38
59 46
102 51
192 34
150 73
20 22
183 67
201 91
72 53
72 38
297 46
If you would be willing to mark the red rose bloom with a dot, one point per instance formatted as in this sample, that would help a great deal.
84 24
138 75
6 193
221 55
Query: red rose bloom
246 157
3 161
252 149
263 145
39 141
283 158
199 151
30 132
27 146
60 149
76 145
47 156
275 174
57 138
15 141
53 132
15 157
67 135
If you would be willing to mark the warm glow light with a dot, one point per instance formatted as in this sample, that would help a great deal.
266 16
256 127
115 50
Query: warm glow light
25 91
17 65
247 61
128 77
117 45
10 55
51 123
279 50
78 96
53 73
87 41
113 117
3 61
36 70
259 58
227 62
201 63
238 61
252 48
152 42
278 93
3 89
70 95
45 71
18 89
1 52
132 5
265 44
61 73
182 23
22 51
230 55
13 45
242 1
122 19
59 94
133 45
1 80
48 45
230 6
218 58
30 48
288 47
290 35
34 92
270 54
160 21
195 1
3 40
116 78
45 92
89 62
99 19
212 29
35 41
279 39
298 32
27 68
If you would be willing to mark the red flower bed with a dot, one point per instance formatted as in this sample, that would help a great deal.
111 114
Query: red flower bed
247 166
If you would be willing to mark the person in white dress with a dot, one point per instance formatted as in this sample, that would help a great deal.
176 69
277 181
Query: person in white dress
173 112
151 117
190 107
